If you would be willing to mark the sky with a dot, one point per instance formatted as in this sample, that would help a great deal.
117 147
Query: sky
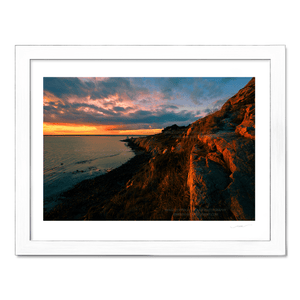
131 106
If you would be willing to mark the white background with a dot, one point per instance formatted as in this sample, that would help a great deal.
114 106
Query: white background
157 23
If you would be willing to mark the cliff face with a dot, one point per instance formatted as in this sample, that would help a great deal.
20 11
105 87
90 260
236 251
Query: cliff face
224 177
221 159
205 171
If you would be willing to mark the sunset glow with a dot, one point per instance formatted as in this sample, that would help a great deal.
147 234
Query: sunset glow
130 106
72 129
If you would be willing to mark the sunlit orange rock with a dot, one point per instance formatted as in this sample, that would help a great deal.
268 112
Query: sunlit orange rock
225 177
221 159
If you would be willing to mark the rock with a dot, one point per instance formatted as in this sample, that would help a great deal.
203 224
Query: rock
171 129
247 127
216 157
177 148
225 177
235 157
207 181
189 132
219 177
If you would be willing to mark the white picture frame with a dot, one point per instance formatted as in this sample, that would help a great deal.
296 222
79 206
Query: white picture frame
275 245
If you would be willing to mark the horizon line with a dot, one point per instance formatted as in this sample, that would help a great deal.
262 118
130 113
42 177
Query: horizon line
94 134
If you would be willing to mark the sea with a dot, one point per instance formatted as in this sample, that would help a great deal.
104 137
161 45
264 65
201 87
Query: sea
69 160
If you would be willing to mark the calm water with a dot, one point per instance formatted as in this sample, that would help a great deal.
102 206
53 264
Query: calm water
71 159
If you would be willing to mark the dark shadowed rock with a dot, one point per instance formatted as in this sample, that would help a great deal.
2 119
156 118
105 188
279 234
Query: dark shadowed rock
173 128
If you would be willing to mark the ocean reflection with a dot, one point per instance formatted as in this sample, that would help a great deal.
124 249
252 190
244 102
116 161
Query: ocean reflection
71 159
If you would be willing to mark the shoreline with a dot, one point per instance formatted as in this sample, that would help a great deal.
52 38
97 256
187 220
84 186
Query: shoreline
76 202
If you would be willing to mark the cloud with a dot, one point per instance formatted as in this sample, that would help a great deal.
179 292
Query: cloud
225 80
141 102
205 89
91 88
218 104
88 113
119 108
61 87
213 107
168 106
196 89
142 90
171 86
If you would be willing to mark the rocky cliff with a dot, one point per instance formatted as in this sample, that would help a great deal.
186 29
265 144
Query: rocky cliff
205 171
222 176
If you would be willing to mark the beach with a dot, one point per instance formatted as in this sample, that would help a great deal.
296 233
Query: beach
75 203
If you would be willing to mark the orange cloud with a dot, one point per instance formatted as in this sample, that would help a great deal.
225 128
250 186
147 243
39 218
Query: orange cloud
64 129
74 129
48 97
86 129
140 132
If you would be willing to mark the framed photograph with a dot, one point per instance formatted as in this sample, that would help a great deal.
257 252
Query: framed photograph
150 150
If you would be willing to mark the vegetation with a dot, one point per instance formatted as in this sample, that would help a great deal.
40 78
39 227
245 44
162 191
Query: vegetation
157 192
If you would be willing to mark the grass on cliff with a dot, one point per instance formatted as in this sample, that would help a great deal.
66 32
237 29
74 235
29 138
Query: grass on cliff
157 192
